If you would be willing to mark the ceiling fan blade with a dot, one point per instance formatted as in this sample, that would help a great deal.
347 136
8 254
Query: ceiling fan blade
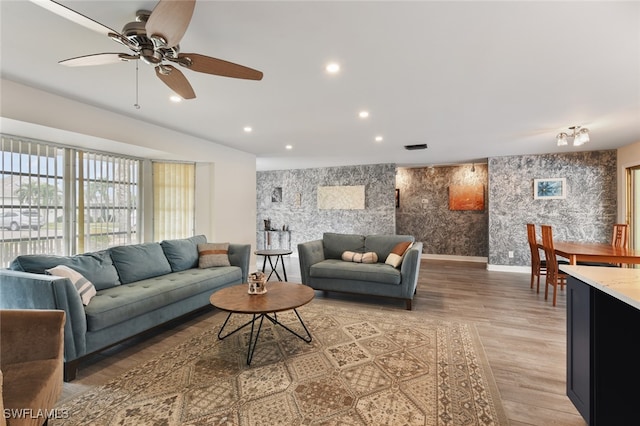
85 21
98 59
176 81
209 65
170 19
74 16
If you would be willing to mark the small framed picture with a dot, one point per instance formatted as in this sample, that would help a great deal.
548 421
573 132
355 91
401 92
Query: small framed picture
276 195
550 189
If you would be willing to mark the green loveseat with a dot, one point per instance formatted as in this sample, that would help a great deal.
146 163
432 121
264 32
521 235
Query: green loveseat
138 288
322 267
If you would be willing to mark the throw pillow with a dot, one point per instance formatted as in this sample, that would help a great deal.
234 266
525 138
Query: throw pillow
213 254
397 254
83 286
138 262
351 256
97 267
182 254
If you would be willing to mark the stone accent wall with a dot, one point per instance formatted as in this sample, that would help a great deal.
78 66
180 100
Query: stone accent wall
587 214
424 210
299 211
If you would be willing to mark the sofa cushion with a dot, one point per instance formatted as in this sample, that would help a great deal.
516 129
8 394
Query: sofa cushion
213 255
383 244
97 267
182 254
139 261
352 256
122 303
397 253
372 272
83 286
336 244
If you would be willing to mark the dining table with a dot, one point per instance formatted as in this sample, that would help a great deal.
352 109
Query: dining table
595 252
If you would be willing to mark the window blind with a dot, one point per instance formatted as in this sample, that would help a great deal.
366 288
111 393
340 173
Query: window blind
173 200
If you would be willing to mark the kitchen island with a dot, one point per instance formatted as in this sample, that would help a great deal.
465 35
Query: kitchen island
603 343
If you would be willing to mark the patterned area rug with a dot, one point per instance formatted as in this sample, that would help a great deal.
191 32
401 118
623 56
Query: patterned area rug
363 367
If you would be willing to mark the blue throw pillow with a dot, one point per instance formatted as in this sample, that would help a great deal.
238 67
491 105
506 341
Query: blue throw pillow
97 267
139 261
182 254
335 244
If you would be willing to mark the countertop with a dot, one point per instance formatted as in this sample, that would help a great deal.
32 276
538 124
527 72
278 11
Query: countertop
621 283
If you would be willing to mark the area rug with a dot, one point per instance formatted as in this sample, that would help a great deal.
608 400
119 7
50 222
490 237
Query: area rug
363 367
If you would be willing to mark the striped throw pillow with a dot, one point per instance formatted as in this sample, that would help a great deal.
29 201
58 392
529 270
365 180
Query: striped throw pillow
213 254
397 254
84 287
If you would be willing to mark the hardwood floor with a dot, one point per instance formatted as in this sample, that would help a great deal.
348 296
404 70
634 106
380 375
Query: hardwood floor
522 334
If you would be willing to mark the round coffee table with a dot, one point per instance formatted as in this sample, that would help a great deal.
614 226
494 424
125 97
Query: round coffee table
280 296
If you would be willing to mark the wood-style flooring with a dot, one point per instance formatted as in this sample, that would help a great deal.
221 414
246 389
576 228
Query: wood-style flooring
523 336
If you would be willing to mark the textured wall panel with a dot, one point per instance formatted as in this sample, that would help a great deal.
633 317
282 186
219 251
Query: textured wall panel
341 197
424 210
586 214
299 208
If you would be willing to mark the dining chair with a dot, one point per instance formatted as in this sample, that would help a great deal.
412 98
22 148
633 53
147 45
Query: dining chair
620 238
554 277
620 235
538 266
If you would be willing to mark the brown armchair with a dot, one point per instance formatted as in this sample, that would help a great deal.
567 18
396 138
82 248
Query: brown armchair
31 364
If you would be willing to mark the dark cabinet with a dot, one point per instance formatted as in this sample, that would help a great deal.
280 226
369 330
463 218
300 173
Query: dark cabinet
603 356
578 346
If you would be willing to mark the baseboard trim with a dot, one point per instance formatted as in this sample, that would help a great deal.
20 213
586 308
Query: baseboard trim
477 259
509 268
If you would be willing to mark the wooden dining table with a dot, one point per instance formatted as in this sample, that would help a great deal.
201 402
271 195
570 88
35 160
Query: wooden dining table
595 252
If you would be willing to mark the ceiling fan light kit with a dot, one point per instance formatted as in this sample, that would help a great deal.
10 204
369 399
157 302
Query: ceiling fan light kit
154 38
580 136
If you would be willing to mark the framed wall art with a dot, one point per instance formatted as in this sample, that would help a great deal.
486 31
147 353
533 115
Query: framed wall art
341 197
550 189
466 197
276 195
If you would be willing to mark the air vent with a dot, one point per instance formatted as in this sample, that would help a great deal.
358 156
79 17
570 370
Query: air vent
416 146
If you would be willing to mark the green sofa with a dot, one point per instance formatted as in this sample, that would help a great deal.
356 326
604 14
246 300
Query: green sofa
138 288
322 267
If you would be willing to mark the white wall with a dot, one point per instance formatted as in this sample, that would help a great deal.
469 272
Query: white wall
225 177
628 156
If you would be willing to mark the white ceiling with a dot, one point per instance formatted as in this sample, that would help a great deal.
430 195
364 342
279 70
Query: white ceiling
471 79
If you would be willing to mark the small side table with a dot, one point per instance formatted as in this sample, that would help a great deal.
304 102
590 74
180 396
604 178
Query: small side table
279 255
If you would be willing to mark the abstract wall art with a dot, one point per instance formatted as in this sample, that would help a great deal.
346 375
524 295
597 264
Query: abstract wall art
466 197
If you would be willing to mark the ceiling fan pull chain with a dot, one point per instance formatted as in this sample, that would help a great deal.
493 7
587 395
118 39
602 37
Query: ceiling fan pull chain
136 105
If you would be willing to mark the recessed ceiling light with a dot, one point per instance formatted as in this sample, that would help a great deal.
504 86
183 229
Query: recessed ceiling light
378 138
333 68
248 129
175 98
289 147
364 114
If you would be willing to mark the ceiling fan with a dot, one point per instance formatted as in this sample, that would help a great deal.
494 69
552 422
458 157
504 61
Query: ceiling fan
154 37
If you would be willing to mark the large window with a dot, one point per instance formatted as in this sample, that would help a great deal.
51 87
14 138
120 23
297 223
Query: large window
32 199
107 194
62 200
